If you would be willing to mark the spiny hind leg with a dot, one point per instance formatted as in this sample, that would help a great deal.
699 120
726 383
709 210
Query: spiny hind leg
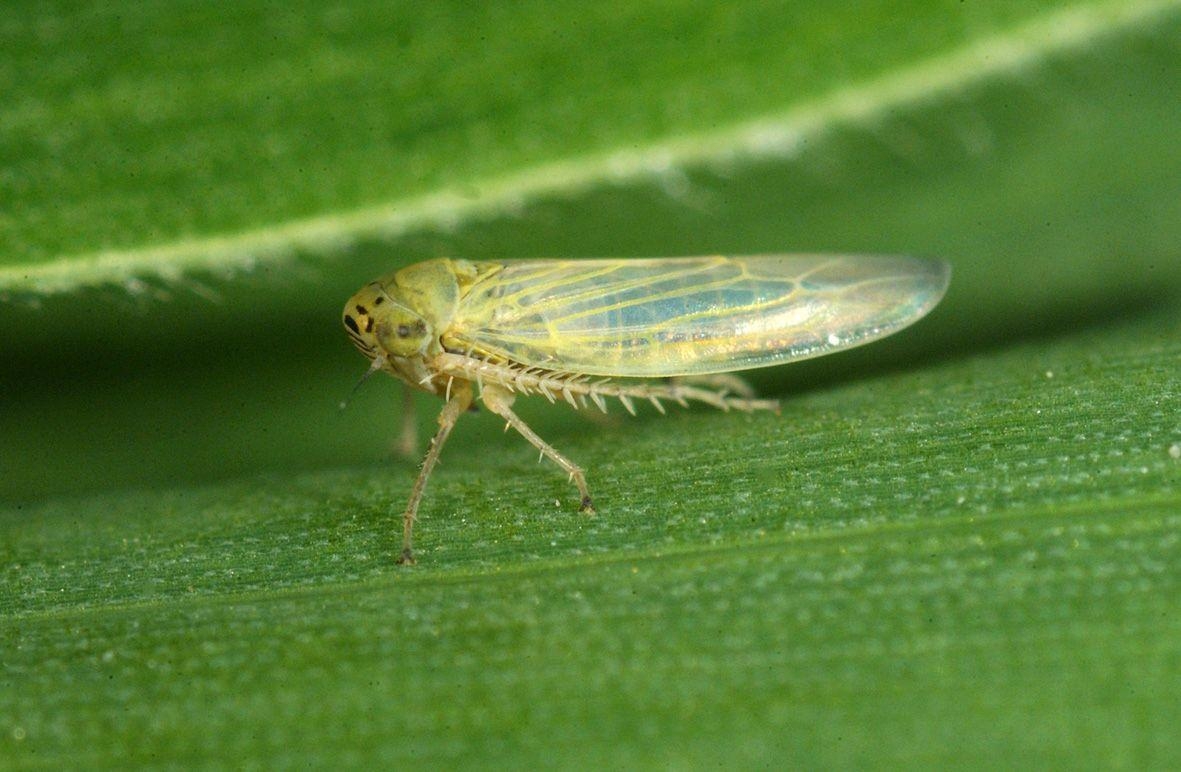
724 383
460 401
500 400
681 391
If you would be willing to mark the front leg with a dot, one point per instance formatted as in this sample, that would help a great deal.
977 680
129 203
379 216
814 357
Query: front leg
500 400
459 401
406 446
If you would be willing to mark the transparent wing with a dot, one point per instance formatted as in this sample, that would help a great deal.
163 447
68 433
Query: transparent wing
689 316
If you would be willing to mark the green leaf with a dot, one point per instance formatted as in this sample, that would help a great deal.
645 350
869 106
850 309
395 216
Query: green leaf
958 546
150 142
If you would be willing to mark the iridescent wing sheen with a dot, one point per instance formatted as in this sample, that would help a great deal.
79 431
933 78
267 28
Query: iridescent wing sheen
689 316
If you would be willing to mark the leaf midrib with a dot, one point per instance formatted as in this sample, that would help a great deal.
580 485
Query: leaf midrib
772 136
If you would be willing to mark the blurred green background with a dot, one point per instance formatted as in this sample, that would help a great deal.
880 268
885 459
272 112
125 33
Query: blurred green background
956 546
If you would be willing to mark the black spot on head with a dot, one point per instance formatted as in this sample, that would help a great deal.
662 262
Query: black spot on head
362 310
351 323
377 300
368 324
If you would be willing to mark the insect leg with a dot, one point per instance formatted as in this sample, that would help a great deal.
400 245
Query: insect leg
722 382
461 399
499 400
407 443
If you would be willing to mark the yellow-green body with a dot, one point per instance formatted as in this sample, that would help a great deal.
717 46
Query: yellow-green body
582 330
656 317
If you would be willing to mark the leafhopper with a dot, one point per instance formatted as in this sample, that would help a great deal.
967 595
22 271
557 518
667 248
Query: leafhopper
588 331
